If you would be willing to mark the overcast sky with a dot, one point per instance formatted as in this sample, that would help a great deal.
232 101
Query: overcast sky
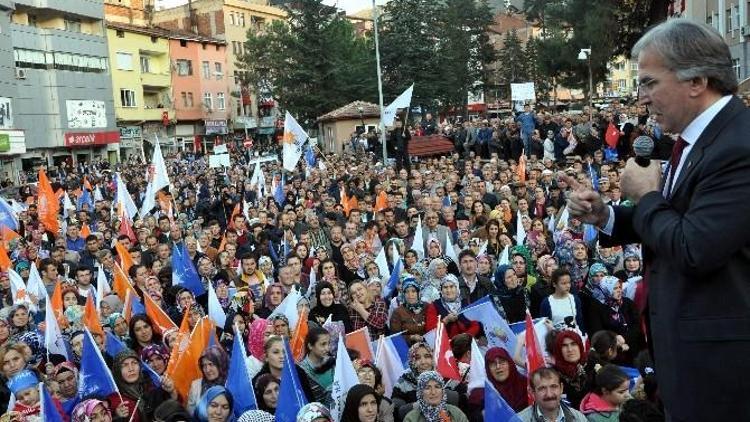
350 6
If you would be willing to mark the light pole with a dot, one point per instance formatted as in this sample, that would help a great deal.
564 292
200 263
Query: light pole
380 80
585 54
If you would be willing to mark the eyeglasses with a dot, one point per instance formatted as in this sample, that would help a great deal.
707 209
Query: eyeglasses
646 85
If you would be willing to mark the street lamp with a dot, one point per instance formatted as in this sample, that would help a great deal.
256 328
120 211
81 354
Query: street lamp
585 54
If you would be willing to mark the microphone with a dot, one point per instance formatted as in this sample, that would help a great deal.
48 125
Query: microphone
643 146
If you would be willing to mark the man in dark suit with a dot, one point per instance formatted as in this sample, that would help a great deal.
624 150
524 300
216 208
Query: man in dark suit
693 221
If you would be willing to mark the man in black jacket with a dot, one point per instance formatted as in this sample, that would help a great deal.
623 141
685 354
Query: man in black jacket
400 140
472 285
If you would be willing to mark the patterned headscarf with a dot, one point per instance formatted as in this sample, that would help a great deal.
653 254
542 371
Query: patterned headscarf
314 411
597 268
217 356
267 296
408 381
432 413
523 251
36 344
454 305
154 350
414 308
85 410
256 416
256 338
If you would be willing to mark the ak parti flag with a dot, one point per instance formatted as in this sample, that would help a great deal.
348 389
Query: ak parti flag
381 202
56 302
5 261
162 323
360 341
298 340
91 317
48 204
522 167
120 283
126 261
183 335
85 231
187 367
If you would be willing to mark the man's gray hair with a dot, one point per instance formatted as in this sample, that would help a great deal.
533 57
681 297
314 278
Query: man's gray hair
691 50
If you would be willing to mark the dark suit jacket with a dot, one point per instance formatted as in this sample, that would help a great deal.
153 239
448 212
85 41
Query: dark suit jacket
697 254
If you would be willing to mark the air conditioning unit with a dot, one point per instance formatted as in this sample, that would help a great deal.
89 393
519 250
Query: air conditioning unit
20 73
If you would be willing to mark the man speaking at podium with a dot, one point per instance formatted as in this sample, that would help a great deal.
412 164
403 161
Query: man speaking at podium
693 221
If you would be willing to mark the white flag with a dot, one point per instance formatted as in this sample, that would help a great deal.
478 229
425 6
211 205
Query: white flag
288 307
520 232
161 178
345 377
450 251
53 339
215 312
18 288
35 285
403 101
418 242
294 139
477 371
67 203
102 288
124 198
504 257
382 264
389 363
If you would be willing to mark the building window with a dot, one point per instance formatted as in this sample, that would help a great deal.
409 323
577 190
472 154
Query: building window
634 66
184 67
220 101
73 25
206 67
208 100
145 64
124 61
219 74
120 34
183 95
127 98
190 99
621 84
736 17
242 19
729 20
736 67
231 18
183 43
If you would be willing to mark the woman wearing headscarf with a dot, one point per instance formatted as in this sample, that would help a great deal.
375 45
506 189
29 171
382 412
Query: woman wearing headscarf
447 310
184 299
504 376
436 273
266 389
214 364
435 250
265 265
432 402
484 265
156 356
119 326
543 286
510 298
579 267
256 416
409 317
329 272
361 405
369 374
610 310
20 320
570 361
349 266
421 360
314 412
271 300
215 405
326 306
90 410
138 396
234 319
257 337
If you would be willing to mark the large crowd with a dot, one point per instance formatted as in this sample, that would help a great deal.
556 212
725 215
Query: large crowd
486 224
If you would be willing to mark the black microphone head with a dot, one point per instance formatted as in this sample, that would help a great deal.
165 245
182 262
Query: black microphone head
643 146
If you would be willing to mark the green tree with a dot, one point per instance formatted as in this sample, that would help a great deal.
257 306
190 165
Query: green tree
312 63
535 72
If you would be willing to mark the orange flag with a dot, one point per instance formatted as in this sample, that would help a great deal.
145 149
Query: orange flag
56 302
127 306
360 341
87 184
223 243
85 231
8 234
298 339
235 211
381 202
121 284
126 261
48 204
183 335
5 262
187 368
162 323
91 318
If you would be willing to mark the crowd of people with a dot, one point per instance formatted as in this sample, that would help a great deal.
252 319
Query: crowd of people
488 221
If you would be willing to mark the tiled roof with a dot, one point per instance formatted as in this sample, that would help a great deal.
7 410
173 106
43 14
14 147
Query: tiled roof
351 111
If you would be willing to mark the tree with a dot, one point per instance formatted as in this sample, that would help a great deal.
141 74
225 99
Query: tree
312 63
535 71
512 61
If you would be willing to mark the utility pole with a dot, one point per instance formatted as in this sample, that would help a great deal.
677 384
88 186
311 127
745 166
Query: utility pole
380 80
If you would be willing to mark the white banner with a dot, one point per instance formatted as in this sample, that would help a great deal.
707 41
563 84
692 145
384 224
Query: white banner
523 91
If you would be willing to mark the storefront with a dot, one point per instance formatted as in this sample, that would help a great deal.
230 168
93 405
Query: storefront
12 145
131 141
86 146
216 133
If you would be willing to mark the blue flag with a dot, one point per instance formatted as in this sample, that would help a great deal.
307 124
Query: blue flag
594 178
113 345
633 375
184 272
48 410
238 379
85 198
136 306
7 215
496 329
155 378
310 158
392 284
95 379
495 407
278 193
447 201
291 396
399 344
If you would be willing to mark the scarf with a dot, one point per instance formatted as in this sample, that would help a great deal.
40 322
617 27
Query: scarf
570 370
454 305
432 413
415 308
512 389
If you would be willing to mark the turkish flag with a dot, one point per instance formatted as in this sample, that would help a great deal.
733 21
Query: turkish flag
445 363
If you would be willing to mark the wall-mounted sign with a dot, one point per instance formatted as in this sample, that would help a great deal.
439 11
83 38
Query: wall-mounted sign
86 114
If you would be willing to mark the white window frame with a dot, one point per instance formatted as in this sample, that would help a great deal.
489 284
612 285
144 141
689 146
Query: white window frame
128 98
208 100
145 64
188 70
218 71
206 68
220 101
124 61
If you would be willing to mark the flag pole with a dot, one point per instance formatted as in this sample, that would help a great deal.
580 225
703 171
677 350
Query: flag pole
380 79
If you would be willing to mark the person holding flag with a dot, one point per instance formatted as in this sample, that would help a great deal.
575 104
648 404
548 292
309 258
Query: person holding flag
319 365
503 374
136 397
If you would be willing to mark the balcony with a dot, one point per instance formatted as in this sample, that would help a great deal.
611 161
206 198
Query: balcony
138 114
156 80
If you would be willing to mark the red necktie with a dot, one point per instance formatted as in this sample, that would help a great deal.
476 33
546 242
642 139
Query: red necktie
674 161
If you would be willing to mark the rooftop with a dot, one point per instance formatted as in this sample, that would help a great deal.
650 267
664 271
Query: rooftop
351 111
